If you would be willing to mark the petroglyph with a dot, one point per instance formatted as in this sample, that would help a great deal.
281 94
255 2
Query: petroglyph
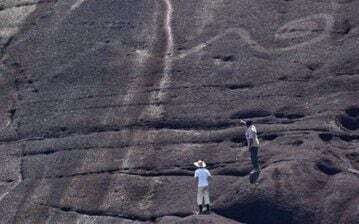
319 24
77 4
141 57
303 27
12 18
155 111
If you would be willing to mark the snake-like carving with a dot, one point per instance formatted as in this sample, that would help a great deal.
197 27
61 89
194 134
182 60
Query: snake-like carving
294 29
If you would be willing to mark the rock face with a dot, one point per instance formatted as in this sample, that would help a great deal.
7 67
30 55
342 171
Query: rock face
105 105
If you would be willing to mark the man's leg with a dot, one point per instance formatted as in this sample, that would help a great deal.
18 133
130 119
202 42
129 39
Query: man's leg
200 207
254 158
200 199
206 199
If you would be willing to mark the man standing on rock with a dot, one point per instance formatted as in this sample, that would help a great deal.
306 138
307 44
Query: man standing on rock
202 175
253 144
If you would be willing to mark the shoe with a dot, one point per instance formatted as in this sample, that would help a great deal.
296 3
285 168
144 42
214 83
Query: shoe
208 210
200 209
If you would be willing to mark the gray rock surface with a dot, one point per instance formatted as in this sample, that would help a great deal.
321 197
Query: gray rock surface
105 105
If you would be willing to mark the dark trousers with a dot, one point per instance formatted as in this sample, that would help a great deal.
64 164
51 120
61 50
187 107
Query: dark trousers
254 157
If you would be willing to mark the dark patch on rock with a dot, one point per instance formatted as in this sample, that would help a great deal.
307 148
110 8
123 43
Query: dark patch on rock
348 138
233 172
261 211
342 27
348 122
269 137
186 124
328 167
245 114
63 129
239 86
290 112
352 111
314 66
326 137
283 78
239 139
9 180
227 58
353 156
289 115
297 142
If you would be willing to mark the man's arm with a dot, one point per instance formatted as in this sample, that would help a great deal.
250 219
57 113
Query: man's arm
251 137
251 142
242 122
209 175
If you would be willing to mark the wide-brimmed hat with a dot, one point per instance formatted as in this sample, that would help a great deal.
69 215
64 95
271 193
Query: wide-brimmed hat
247 122
200 163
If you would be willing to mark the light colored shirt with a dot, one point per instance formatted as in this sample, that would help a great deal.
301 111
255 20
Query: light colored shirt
251 133
202 174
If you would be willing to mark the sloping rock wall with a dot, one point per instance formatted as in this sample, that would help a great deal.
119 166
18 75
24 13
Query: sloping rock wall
105 105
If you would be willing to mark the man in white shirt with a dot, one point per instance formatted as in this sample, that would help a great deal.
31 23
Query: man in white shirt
202 175
253 143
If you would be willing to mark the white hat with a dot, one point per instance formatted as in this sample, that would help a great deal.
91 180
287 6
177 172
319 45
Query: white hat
200 163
